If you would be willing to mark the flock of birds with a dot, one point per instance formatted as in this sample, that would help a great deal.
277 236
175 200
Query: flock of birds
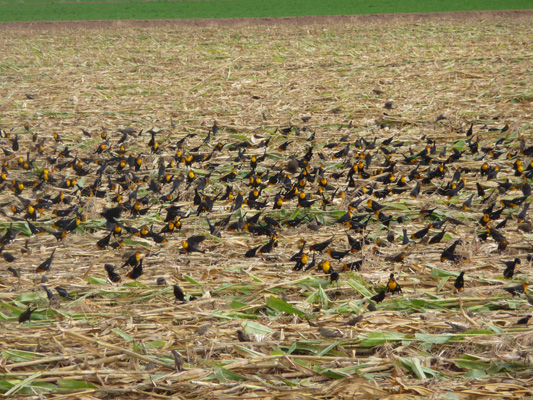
48 182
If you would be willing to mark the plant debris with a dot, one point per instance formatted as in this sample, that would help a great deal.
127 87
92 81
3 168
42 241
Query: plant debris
217 208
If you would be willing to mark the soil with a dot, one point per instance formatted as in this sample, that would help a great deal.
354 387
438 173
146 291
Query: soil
239 22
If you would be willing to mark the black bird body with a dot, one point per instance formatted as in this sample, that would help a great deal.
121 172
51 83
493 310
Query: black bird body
178 293
320 247
137 271
133 259
378 298
510 267
516 290
45 265
112 275
243 337
49 293
337 255
191 245
63 292
438 237
459 282
104 242
26 315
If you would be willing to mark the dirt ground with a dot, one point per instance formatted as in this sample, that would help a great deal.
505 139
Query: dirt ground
239 22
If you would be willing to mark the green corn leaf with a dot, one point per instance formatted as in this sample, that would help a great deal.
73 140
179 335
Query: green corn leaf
122 334
255 328
75 385
280 305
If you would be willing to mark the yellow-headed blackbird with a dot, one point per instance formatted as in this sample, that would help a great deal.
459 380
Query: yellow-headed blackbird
59 235
353 266
191 244
467 204
104 242
506 127
344 218
325 266
438 237
31 213
449 253
283 146
300 262
267 248
137 271
17 187
526 191
337 255
355 245
396 258
517 201
117 244
173 213
420 234
392 285
26 315
296 221
516 290
254 219
509 267
320 247
159 239
112 275
498 238
416 191
45 265
459 282
522 215
374 205
229 177
171 225
133 259
303 201
299 254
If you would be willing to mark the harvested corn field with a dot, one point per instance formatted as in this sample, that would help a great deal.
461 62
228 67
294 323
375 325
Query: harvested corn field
267 212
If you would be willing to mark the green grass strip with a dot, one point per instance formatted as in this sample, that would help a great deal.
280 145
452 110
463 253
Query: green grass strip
55 10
